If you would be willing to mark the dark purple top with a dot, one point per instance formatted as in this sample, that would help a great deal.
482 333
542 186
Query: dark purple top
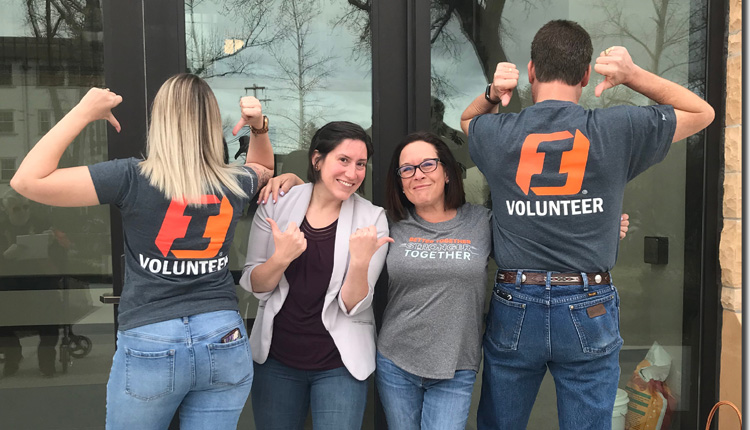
300 340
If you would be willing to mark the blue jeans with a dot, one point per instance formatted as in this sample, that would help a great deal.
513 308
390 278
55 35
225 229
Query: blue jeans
572 330
413 403
180 363
282 395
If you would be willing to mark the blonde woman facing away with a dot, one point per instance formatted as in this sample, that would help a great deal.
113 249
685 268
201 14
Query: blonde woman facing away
181 342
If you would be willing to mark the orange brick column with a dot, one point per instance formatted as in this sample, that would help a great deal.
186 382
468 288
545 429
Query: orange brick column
730 248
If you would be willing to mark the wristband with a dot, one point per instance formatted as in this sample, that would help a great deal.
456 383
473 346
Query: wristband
262 130
487 95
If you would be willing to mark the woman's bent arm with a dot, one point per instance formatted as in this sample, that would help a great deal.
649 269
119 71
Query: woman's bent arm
366 259
262 272
38 177
259 151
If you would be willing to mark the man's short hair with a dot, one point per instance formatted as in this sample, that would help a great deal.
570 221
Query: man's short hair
561 51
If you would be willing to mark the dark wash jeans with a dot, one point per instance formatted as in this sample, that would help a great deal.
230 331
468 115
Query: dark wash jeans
282 395
532 328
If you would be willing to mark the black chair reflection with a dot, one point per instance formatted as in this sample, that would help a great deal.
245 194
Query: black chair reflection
69 307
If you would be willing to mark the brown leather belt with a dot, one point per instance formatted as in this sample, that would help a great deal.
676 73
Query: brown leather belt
540 278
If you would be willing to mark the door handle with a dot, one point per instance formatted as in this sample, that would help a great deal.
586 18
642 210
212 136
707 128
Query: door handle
109 299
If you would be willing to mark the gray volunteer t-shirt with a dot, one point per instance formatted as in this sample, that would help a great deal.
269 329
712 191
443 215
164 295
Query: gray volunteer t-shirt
557 175
437 275
176 256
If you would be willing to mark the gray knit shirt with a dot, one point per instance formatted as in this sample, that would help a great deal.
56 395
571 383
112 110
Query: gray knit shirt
437 273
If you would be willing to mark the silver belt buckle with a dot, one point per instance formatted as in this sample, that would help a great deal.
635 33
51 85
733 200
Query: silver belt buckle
563 279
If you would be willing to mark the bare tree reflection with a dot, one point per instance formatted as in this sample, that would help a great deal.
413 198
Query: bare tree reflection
304 68
207 46
662 43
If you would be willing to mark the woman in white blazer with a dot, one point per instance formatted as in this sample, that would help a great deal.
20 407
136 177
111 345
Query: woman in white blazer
313 260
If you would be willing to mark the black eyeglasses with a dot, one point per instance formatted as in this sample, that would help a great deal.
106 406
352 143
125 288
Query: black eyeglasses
408 170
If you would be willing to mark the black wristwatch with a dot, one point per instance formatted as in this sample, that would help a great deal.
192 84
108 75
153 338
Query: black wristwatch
487 95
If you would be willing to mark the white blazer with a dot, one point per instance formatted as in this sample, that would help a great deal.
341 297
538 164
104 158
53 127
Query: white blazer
353 332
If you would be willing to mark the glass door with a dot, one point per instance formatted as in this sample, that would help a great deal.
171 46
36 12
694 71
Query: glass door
56 338
666 37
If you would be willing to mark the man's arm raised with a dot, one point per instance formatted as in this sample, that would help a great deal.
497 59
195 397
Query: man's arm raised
501 90
693 113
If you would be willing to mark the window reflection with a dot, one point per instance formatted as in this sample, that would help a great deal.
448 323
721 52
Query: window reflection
7 124
54 262
6 77
7 168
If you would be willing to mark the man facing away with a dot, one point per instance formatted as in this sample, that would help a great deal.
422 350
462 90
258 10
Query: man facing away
557 175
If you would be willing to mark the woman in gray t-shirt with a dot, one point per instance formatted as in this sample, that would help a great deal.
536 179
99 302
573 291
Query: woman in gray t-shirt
429 346
181 342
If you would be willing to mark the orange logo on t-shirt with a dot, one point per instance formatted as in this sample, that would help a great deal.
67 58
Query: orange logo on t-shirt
573 163
176 223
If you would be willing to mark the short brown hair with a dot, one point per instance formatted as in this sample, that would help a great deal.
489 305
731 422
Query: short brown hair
561 51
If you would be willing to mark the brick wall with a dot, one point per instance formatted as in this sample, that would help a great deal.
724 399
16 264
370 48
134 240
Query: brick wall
730 248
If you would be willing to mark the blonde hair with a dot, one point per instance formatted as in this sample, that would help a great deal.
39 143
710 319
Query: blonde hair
185 152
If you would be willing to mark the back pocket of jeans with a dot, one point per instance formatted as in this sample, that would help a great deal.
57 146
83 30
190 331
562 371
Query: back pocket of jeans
504 322
231 362
149 375
597 324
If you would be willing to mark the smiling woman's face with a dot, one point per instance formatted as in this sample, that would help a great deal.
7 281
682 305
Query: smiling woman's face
423 189
343 169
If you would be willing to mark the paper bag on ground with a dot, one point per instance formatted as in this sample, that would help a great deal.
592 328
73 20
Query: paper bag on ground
651 403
